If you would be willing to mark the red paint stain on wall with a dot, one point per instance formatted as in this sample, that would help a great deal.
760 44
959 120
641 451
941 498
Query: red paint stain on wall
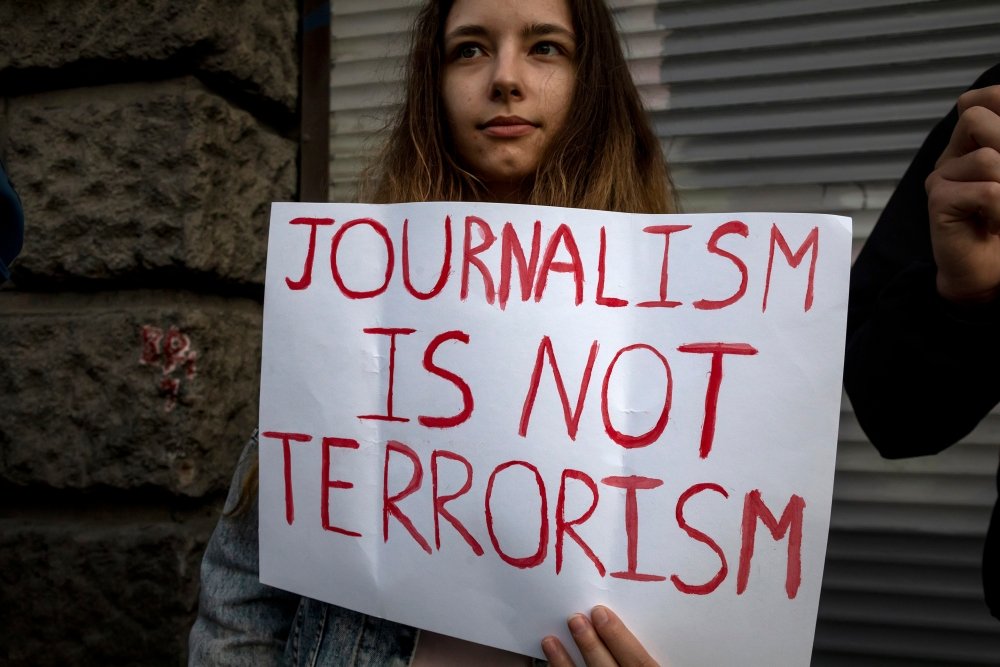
171 352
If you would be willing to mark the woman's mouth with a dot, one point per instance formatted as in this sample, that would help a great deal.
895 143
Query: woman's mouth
507 127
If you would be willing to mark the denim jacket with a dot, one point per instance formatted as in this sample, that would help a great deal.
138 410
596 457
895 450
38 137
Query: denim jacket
243 622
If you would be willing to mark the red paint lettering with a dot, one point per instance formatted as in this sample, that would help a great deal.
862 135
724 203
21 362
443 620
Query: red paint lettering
511 248
732 227
632 484
572 416
391 333
445 263
790 522
609 301
564 235
440 500
379 229
713 583
327 483
467 403
778 239
469 257
650 436
564 527
306 278
286 452
666 230
717 350
543 531
390 503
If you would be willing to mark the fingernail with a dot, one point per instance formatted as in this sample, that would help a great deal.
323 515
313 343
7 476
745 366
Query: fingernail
599 615
577 624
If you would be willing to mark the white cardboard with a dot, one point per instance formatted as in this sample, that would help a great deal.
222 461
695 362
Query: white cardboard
775 432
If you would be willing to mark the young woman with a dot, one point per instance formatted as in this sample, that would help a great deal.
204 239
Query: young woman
548 116
521 101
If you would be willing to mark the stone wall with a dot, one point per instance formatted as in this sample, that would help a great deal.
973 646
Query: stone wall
146 139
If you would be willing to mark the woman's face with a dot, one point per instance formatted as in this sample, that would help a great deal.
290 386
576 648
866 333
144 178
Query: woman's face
508 79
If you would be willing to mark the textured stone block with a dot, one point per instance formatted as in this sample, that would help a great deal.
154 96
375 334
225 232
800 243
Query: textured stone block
99 592
251 46
155 179
127 390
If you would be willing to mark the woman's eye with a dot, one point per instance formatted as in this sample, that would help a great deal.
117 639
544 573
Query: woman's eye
469 51
545 49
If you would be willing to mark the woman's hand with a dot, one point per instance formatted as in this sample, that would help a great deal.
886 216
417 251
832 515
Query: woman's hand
603 640
963 200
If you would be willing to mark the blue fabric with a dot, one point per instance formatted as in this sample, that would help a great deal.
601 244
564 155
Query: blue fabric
11 224
244 622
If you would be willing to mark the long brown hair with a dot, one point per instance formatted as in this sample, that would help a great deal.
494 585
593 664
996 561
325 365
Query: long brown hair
607 156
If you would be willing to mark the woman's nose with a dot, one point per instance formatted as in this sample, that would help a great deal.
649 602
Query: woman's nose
507 76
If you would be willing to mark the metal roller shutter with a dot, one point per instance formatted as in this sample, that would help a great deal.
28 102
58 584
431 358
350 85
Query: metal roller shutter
801 105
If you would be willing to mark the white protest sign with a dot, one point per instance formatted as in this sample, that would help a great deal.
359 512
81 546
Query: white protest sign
480 418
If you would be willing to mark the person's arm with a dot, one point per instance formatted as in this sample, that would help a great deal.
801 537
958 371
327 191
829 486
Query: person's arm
964 203
240 620
922 357
11 224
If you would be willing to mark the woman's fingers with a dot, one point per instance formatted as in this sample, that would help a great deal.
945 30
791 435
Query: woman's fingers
982 164
619 640
988 97
978 123
966 189
963 202
603 640
556 653
591 645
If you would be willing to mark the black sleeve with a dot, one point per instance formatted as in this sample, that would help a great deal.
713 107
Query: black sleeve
11 224
920 372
